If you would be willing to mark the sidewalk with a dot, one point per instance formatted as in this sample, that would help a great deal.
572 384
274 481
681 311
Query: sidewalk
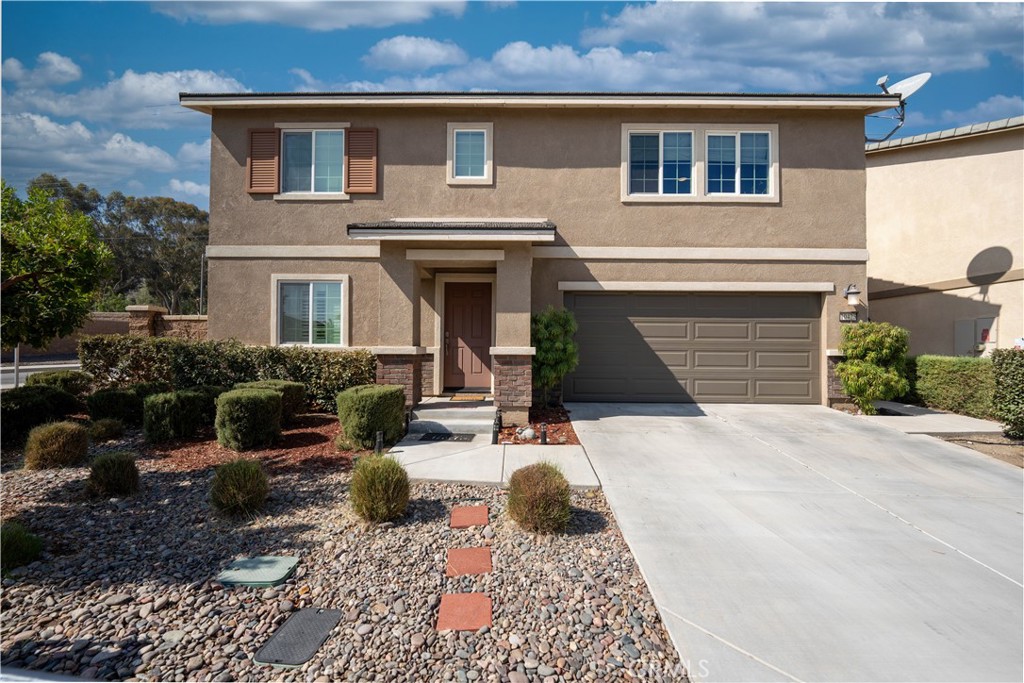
918 420
479 462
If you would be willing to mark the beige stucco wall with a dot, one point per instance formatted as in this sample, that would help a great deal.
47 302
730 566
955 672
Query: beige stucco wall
947 217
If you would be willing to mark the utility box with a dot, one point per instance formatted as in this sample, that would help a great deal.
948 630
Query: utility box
975 337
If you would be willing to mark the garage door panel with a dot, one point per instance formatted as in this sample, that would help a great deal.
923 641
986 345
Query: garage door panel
696 347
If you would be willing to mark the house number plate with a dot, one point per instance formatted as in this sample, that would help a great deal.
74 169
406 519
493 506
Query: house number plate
847 316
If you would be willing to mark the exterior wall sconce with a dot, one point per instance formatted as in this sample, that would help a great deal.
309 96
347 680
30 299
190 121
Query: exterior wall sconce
852 295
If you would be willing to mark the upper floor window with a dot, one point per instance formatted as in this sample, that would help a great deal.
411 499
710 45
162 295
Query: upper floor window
314 161
661 163
738 163
470 148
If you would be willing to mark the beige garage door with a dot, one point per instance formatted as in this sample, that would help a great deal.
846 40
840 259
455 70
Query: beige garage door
684 348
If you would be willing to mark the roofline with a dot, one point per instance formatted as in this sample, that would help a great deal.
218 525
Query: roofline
865 103
971 131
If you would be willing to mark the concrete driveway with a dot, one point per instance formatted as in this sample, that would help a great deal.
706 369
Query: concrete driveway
800 543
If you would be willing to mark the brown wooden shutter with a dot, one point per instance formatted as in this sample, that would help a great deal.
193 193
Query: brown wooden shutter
361 161
263 167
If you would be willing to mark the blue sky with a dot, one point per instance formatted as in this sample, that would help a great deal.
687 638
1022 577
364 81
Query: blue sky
90 88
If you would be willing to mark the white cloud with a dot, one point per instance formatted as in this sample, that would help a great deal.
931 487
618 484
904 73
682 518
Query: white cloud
315 16
412 53
137 100
195 153
307 82
186 187
33 144
51 69
992 109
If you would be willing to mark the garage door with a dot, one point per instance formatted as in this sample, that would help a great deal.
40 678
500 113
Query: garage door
684 348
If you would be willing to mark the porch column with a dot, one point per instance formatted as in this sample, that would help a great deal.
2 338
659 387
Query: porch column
398 352
512 355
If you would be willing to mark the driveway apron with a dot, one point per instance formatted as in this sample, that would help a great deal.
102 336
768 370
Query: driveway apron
801 543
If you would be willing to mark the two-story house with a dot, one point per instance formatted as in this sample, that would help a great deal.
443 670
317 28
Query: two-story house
703 241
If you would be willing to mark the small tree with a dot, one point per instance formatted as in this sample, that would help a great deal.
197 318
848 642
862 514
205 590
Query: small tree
556 354
875 365
52 262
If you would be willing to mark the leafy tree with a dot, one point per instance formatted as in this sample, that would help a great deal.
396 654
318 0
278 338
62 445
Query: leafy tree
875 365
52 262
557 355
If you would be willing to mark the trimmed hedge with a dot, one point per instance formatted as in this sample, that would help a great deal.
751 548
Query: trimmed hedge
117 360
1008 399
959 384
105 430
293 395
173 415
58 444
75 382
248 418
209 404
380 488
126 404
538 498
113 474
20 546
24 408
367 409
239 487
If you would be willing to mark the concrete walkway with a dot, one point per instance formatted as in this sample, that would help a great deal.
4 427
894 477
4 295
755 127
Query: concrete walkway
918 420
479 462
801 543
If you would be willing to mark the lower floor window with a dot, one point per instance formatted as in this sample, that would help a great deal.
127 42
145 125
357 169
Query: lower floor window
310 312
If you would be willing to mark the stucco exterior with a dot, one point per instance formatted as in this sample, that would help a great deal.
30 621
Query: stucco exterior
560 164
946 237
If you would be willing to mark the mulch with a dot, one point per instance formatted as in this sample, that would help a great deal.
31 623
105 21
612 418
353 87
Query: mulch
560 429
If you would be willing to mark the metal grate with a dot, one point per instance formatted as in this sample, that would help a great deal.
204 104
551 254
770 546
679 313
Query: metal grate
447 437
299 639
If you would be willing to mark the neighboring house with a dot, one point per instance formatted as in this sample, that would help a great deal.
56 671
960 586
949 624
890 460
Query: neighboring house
946 237
702 240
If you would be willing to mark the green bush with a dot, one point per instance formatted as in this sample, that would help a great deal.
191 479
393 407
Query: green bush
239 487
379 489
105 430
1008 401
115 404
960 384
209 405
75 382
113 474
57 444
20 546
248 418
551 334
293 395
117 360
538 498
26 407
910 371
173 415
874 369
367 409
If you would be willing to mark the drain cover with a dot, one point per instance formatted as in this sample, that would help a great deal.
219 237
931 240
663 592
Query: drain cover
447 437
266 570
299 639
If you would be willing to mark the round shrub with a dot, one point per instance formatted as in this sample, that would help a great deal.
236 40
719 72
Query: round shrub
75 382
239 487
20 546
113 474
172 415
367 409
26 407
379 489
106 430
58 444
293 395
538 498
115 404
209 392
248 418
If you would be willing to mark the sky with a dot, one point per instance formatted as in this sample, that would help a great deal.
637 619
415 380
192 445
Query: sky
90 89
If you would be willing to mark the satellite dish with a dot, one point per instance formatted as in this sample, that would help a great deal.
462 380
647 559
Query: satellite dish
909 86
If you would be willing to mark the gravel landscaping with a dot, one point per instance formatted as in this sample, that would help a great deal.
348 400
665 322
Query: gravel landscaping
124 589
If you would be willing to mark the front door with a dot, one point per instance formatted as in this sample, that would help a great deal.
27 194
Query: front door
467 335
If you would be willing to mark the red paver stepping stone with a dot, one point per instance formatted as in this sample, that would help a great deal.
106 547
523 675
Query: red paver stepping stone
465 516
468 561
464 612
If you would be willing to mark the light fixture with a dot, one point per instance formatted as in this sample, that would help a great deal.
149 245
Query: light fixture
852 294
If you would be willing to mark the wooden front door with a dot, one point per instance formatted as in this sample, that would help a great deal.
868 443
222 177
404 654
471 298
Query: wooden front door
467 335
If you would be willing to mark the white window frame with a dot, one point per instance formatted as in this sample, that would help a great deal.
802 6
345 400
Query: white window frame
276 280
661 161
311 127
698 182
737 136
488 130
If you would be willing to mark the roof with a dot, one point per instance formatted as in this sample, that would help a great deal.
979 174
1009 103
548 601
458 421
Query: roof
433 229
948 134
865 103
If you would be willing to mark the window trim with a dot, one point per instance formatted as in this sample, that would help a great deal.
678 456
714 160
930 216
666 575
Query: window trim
737 136
661 162
346 318
488 131
310 127
698 185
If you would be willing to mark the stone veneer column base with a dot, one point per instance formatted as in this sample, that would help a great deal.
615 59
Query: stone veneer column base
402 369
836 395
513 387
